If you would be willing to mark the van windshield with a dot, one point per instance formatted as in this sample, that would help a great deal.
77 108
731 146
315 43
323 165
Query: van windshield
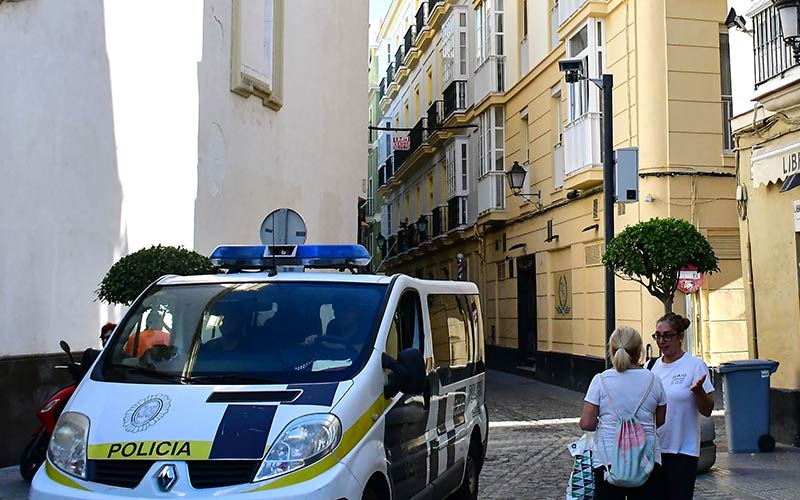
246 333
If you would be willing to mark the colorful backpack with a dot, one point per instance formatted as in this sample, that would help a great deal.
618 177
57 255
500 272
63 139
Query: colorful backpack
633 457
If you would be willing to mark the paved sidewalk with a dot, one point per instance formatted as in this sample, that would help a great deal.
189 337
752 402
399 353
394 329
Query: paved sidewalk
530 426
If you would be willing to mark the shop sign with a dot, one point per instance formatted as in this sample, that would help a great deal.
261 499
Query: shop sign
401 143
775 165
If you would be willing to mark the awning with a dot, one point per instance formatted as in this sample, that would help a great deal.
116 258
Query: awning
775 164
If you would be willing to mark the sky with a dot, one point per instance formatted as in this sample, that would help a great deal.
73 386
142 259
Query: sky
377 10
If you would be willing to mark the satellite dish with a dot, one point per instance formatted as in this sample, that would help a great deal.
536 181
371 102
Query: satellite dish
283 226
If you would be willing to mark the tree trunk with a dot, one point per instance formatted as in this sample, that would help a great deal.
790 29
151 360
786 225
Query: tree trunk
667 301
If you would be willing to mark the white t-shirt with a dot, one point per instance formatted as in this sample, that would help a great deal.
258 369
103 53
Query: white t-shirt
681 431
627 389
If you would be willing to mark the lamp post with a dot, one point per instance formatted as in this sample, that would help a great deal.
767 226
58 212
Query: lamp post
789 14
573 69
516 181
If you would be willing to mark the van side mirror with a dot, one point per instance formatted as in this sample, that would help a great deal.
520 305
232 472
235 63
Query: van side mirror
407 372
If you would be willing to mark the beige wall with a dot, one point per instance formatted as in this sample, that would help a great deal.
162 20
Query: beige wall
307 155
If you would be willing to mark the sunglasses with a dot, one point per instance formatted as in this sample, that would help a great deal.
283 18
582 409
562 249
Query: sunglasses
666 337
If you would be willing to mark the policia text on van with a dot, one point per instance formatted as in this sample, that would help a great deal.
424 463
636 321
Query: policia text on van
281 385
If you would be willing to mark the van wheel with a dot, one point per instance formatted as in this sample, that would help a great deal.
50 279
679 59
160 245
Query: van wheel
469 486
370 494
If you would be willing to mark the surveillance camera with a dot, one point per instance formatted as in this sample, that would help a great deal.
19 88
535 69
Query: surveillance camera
572 69
734 20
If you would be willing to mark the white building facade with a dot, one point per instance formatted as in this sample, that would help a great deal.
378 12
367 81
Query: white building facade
123 129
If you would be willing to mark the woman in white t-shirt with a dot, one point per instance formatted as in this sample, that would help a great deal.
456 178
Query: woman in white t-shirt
629 385
685 380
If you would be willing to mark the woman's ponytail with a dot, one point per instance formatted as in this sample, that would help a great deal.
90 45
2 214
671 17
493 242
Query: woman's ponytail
625 348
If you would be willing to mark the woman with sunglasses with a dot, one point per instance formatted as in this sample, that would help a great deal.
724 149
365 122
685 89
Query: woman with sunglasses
686 383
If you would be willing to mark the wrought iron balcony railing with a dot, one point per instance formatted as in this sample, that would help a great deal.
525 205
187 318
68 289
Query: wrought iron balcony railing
456 212
381 175
398 58
772 57
438 221
455 97
400 157
382 88
389 74
417 135
421 17
434 115
408 40
432 4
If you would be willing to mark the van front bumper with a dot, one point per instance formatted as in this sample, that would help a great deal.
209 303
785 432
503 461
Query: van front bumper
335 483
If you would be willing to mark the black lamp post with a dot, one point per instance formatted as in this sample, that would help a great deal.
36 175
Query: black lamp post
516 180
422 226
381 241
789 14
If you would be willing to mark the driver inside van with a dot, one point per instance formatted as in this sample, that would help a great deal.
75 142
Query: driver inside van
343 331
153 335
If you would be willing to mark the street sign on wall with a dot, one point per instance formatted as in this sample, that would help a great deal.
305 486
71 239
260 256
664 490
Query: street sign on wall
689 280
401 143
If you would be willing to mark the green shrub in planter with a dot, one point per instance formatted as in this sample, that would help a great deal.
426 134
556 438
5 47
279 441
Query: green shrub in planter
133 273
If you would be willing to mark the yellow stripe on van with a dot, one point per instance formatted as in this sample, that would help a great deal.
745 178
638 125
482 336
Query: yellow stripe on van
61 478
350 439
148 450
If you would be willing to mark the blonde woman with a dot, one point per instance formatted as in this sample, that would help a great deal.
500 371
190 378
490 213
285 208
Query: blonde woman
629 385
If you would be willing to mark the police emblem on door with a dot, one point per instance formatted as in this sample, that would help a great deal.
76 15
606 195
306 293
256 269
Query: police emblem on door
166 477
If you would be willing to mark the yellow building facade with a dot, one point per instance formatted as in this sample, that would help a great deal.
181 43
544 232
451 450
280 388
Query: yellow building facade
767 145
537 259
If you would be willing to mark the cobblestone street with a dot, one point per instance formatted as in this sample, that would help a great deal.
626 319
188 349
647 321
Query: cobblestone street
531 424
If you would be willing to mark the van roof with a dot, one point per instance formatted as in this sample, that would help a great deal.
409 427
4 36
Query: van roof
333 277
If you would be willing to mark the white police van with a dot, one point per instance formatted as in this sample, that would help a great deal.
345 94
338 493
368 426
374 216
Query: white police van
276 384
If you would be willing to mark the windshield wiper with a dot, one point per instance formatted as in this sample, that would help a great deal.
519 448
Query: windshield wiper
231 378
174 377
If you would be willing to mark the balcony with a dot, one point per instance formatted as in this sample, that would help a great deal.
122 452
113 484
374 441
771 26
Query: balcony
456 212
491 193
382 88
436 11
389 169
490 78
582 151
417 135
455 98
381 176
399 158
425 236
412 51
438 221
772 57
567 8
398 58
389 74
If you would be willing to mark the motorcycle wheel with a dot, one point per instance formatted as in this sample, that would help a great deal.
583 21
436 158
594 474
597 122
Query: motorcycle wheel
33 455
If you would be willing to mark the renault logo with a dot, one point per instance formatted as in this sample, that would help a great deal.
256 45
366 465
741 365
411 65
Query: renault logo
166 477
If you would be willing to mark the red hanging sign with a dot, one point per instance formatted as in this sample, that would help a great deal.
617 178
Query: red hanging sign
689 280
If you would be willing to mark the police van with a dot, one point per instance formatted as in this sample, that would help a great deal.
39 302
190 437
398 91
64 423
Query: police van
281 383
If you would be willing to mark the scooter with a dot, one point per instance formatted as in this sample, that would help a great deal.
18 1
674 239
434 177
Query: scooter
34 453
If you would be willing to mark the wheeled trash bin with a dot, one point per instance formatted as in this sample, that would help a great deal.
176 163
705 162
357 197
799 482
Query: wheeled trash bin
745 390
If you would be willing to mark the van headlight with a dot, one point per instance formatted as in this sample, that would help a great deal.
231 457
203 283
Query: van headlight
304 441
67 448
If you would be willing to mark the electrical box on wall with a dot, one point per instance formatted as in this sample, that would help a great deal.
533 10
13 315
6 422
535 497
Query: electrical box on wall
626 175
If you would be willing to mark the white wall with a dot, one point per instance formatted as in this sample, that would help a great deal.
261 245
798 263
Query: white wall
60 193
308 155
98 151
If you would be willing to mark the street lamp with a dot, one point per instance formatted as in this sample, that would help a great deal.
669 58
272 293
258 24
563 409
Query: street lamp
422 224
573 72
516 180
789 14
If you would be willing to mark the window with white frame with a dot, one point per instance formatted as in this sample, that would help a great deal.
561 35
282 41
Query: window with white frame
456 159
489 34
491 146
454 47
587 44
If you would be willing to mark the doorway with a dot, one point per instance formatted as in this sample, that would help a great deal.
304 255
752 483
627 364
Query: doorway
526 306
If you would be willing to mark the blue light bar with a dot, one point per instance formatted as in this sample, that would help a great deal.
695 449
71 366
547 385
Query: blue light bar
270 256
